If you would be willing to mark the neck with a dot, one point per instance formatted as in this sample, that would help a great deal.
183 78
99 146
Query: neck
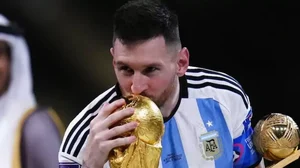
171 102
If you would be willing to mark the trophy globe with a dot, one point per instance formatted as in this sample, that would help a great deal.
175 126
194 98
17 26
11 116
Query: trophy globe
276 137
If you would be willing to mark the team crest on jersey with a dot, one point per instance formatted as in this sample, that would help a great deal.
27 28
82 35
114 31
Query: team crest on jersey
211 145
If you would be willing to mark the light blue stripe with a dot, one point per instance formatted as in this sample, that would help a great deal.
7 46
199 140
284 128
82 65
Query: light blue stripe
173 155
210 111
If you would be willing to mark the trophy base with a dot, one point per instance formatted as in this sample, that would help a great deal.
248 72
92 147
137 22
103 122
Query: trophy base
286 161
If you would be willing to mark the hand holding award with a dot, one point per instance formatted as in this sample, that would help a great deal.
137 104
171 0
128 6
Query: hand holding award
146 151
276 138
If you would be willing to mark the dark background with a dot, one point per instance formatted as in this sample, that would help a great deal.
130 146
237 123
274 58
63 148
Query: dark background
255 41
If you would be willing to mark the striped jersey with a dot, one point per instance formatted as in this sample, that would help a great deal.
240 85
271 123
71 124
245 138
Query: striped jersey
209 127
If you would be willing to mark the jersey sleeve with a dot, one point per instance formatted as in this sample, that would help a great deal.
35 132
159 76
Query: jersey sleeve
244 153
236 108
238 103
240 115
75 137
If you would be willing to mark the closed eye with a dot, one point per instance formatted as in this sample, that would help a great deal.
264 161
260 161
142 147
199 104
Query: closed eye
126 70
149 70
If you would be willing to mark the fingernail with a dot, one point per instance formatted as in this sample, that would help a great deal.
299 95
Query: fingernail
134 124
133 138
130 109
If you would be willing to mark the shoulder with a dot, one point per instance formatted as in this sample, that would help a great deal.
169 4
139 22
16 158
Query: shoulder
78 129
39 121
207 83
224 89
40 133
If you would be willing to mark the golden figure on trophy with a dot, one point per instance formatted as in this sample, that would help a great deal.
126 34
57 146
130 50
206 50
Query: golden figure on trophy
146 151
276 138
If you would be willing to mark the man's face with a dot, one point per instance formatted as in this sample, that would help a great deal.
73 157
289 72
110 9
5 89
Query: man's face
149 68
4 67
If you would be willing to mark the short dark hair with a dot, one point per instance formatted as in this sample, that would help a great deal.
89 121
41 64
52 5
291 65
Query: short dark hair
140 20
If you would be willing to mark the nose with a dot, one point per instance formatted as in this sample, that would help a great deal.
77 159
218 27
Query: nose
139 83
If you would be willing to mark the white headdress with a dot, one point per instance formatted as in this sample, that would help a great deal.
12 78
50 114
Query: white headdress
19 96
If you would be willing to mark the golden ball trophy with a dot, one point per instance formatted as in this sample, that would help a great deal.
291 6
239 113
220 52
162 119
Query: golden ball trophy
146 151
276 138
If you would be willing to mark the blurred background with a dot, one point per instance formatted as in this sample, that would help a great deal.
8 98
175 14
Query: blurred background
255 41
251 40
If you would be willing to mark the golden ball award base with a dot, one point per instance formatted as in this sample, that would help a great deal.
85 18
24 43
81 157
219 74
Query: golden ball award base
286 161
276 137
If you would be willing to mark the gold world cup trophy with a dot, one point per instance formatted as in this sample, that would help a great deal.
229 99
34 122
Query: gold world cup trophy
145 152
276 138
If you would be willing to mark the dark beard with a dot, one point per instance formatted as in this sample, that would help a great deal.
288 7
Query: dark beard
165 94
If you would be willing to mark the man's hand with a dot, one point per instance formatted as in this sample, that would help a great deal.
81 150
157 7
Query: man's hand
100 142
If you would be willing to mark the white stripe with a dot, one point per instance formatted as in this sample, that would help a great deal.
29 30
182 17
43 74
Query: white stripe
85 129
199 74
233 125
193 67
160 163
81 134
220 74
214 73
220 83
216 82
66 158
228 118
191 126
79 116
78 141
210 70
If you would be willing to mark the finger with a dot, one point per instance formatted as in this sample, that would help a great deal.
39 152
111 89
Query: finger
104 135
99 115
109 145
101 122
118 130
117 116
107 108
